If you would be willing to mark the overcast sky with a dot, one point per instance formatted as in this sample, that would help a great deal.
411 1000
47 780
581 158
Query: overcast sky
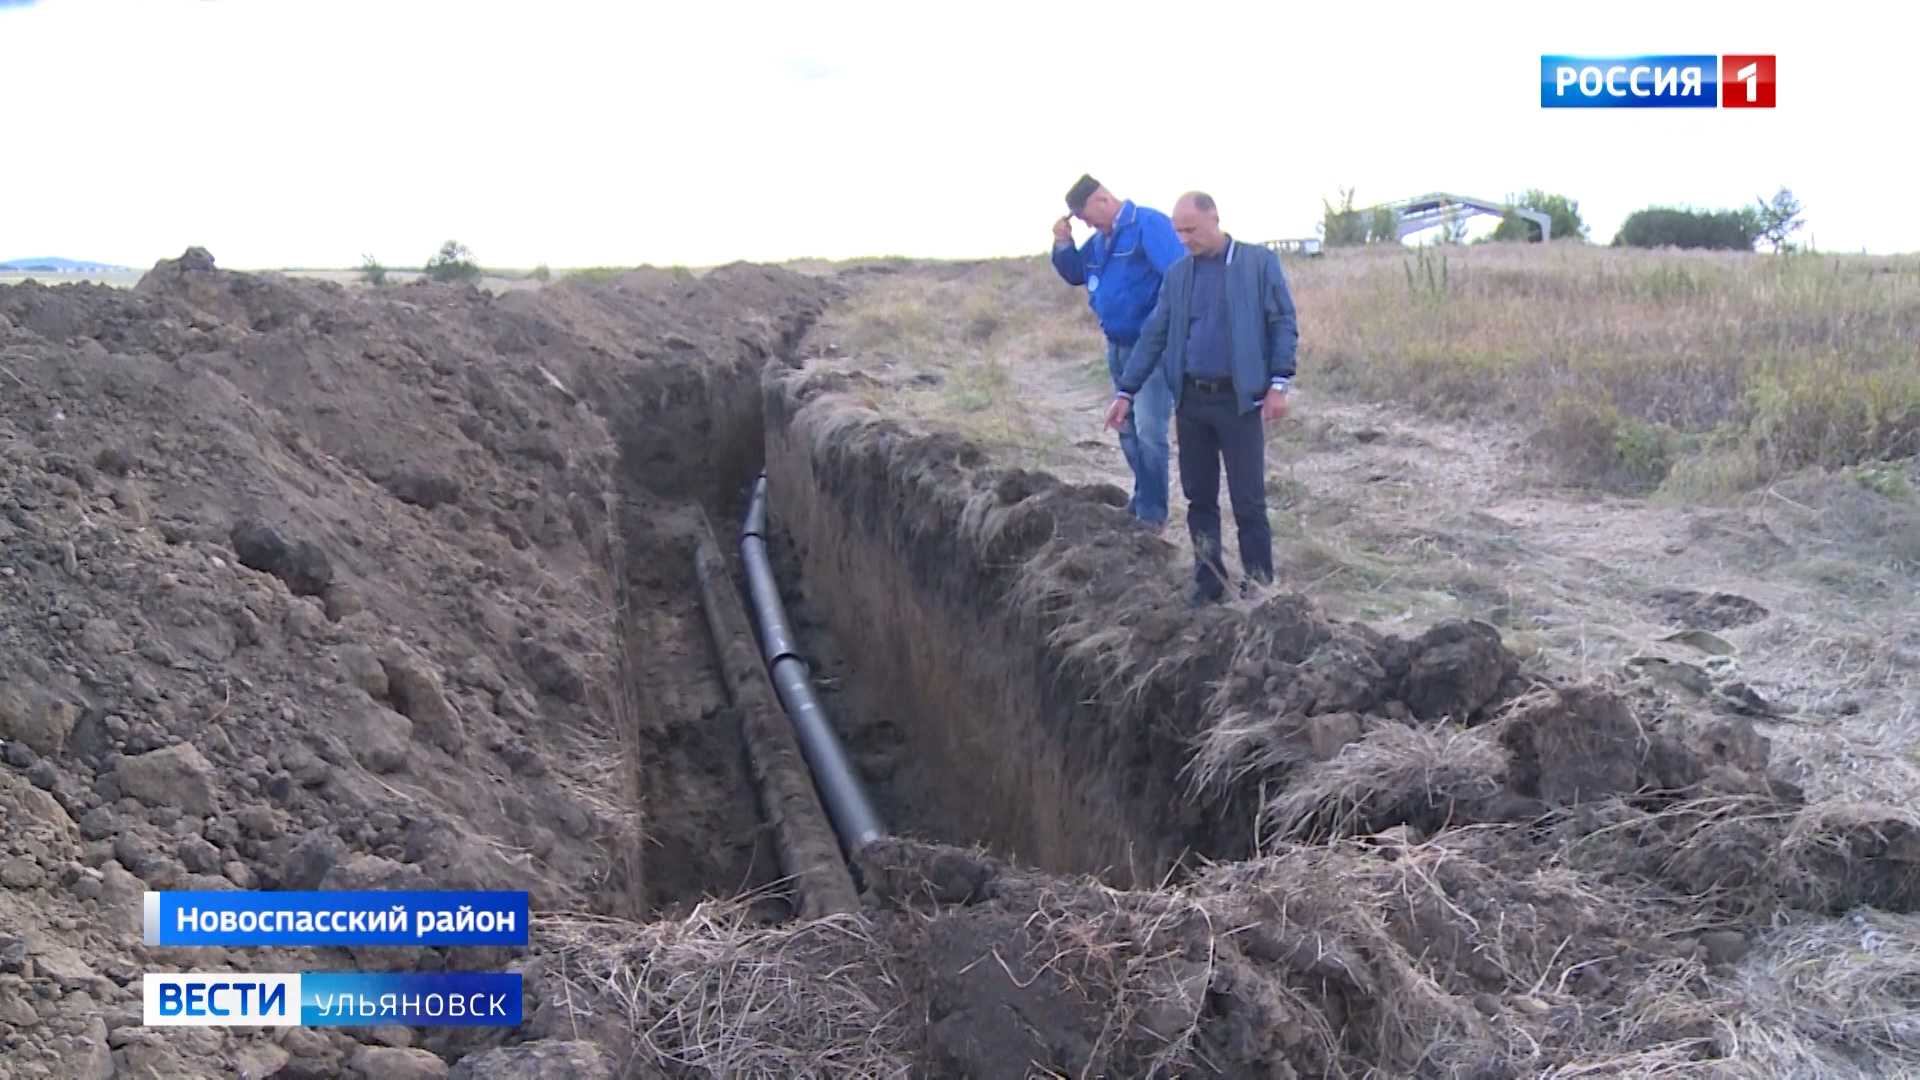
310 132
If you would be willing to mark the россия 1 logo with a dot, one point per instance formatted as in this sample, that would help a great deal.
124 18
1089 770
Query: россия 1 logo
1704 81
1746 82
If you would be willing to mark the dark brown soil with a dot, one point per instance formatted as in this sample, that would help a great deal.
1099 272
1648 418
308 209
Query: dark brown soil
1707 611
303 586
1062 705
1053 685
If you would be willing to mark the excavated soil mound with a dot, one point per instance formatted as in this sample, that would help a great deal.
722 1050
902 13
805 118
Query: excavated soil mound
308 587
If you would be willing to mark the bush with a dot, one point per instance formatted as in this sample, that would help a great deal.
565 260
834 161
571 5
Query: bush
542 274
595 275
1779 218
1346 227
1591 443
1563 214
1382 228
1832 416
1680 227
1342 227
371 272
983 319
454 263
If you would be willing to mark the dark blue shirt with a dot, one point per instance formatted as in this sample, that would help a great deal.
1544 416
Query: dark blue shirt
1208 352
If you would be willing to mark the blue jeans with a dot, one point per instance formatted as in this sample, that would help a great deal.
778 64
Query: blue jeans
1143 439
1214 432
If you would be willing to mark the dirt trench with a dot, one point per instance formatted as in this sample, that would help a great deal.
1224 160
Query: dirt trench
306 587
685 418
312 587
999 658
1024 680
1034 707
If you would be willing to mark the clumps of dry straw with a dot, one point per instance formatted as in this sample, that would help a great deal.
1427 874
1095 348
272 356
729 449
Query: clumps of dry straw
1395 774
1841 854
1831 998
718 995
1369 956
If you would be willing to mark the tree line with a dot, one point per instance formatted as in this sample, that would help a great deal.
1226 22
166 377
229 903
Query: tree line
453 263
1774 221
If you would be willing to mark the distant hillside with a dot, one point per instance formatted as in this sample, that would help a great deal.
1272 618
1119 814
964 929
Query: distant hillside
54 264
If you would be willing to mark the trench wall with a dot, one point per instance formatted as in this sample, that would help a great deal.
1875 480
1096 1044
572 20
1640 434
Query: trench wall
673 366
1033 661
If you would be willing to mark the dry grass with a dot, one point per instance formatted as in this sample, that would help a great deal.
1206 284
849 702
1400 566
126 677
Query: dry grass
1394 771
964 344
716 994
1832 998
1483 947
1638 359
1704 372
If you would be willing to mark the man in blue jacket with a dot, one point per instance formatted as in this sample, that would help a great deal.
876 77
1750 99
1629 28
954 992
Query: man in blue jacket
1121 265
1223 334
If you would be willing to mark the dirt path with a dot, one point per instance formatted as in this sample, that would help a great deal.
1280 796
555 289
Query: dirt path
1596 582
1396 519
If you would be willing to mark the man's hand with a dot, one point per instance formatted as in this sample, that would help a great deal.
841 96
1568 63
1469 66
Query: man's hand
1117 413
1063 231
1274 405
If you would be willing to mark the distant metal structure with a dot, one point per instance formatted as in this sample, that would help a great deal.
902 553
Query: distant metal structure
1437 208
1425 212
1308 246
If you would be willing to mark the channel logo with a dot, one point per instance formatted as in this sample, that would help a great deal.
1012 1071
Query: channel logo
1686 81
332 999
218 1000
1746 82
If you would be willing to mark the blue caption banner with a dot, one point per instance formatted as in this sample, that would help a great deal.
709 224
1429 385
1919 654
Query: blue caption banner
335 918
1630 82
332 999
410 999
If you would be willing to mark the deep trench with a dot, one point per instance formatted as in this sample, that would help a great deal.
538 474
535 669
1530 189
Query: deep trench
687 462
956 728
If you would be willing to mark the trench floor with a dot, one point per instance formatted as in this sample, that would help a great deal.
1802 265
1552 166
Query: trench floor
706 837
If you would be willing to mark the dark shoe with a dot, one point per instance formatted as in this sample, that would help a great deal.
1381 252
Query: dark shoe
1198 598
1157 528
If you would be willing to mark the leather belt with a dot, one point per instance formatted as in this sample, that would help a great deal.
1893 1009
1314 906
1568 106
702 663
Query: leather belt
1210 386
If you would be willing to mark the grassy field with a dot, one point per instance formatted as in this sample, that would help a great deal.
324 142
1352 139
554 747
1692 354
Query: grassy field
1687 477
1547 438
1696 372
1689 373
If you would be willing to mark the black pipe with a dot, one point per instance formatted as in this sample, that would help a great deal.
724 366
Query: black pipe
776 639
848 806
756 524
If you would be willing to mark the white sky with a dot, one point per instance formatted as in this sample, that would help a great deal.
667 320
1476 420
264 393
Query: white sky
310 132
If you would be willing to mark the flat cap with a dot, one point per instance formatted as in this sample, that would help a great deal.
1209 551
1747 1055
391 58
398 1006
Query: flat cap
1081 191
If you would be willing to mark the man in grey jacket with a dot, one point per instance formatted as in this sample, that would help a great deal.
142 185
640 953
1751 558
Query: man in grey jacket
1224 328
